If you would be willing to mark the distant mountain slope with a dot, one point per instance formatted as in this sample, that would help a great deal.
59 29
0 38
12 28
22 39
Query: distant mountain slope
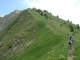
7 19
38 35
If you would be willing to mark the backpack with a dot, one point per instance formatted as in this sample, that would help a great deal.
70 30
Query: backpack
70 41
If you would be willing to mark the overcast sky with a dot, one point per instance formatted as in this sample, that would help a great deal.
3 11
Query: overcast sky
66 9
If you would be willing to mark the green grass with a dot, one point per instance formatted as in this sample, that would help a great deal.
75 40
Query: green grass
50 39
45 43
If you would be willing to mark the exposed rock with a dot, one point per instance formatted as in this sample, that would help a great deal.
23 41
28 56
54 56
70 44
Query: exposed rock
22 40
34 30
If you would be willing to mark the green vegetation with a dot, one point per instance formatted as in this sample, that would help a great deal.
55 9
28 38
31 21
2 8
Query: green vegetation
38 35
71 28
77 26
7 20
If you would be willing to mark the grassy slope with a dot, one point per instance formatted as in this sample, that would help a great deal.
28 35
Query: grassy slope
50 38
47 44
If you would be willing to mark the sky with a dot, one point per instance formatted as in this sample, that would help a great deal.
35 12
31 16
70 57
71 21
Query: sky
65 9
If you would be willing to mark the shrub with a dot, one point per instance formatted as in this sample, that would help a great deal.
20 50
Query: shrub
46 16
10 46
39 11
61 25
71 28
42 13
77 26
1 44
57 16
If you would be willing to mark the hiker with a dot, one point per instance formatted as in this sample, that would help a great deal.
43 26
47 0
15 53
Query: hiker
70 43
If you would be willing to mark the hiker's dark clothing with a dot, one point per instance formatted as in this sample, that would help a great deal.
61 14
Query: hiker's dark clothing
70 42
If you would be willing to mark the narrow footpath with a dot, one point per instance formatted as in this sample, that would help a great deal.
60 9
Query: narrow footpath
70 56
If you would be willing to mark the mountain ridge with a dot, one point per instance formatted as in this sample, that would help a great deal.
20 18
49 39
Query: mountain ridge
7 19
46 36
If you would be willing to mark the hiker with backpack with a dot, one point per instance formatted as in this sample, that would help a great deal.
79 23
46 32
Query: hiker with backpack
70 43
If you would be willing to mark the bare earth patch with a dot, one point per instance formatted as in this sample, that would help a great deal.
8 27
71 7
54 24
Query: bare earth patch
70 56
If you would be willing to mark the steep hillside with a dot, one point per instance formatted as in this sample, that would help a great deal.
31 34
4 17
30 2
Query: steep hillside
38 35
7 19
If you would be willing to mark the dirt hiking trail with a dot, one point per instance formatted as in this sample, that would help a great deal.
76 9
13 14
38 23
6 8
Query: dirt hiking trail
70 56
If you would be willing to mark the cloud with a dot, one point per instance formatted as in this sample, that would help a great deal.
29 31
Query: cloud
25 2
66 9
1 15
